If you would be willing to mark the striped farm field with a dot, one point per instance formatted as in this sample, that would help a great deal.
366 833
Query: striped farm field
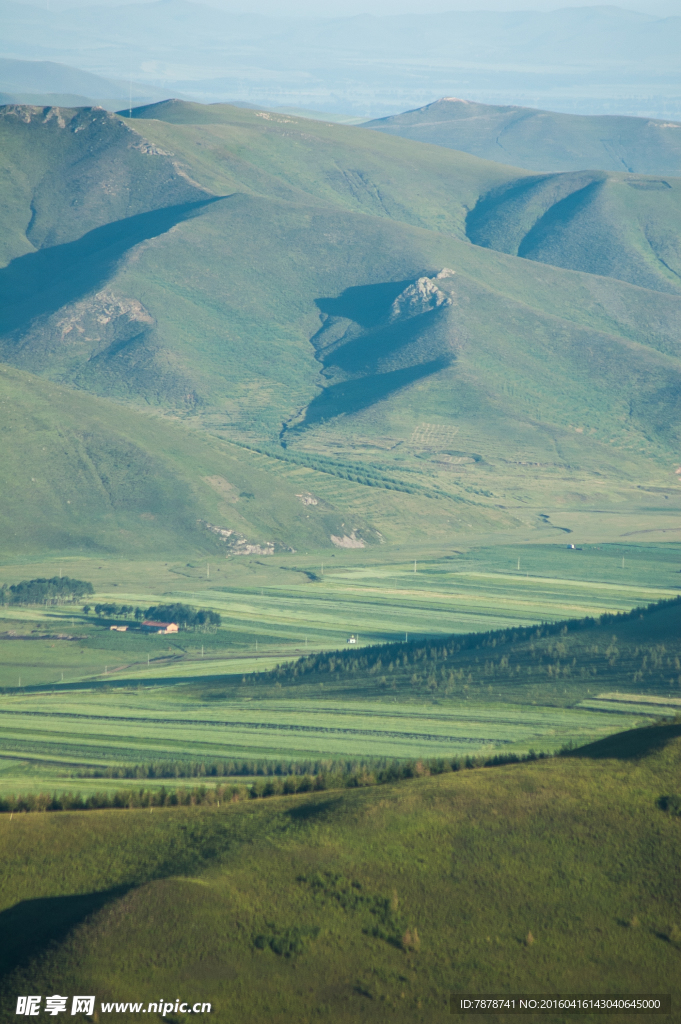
286 608
78 696
58 734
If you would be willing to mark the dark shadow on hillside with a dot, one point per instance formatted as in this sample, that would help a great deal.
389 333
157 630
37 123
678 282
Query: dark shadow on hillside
490 207
42 282
634 743
381 346
557 216
355 395
312 809
365 353
545 203
32 926
365 304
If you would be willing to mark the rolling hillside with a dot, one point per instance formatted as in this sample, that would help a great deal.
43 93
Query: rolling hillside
564 664
615 225
542 140
378 904
85 475
311 290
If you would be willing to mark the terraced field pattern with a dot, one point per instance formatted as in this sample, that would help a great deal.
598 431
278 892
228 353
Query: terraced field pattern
91 698
163 723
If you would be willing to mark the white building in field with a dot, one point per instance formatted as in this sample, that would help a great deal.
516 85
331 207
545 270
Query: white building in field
159 627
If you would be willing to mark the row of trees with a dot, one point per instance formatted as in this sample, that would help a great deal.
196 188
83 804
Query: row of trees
226 768
63 589
260 789
400 658
114 611
290 776
183 614
58 590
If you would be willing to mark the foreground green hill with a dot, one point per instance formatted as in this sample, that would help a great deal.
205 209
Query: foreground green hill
309 290
554 877
542 140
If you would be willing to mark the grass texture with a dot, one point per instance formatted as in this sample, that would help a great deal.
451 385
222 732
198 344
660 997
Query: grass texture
542 140
374 904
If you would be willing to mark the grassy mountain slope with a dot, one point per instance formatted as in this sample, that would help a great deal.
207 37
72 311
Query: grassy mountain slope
292 158
276 279
67 172
378 904
542 140
612 224
83 474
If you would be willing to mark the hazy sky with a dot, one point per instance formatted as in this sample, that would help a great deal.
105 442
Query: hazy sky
349 7
339 8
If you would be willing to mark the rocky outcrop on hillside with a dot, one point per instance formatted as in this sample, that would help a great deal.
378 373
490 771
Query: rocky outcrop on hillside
237 544
76 333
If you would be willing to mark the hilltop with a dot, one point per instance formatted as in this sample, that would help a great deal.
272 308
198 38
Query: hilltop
543 140
615 225
310 291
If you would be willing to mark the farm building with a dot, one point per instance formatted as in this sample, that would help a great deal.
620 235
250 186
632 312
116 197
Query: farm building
160 627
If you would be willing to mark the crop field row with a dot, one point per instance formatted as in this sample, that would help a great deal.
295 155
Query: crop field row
99 729
91 697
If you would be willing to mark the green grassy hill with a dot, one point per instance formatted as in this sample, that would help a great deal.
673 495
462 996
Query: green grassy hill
616 225
82 474
562 665
553 877
309 290
542 140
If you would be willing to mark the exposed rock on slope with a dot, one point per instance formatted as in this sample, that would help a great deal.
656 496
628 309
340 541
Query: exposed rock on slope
101 323
421 297
87 168
379 339
237 544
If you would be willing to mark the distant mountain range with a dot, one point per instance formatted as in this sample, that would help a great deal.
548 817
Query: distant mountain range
541 140
598 59
47 83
